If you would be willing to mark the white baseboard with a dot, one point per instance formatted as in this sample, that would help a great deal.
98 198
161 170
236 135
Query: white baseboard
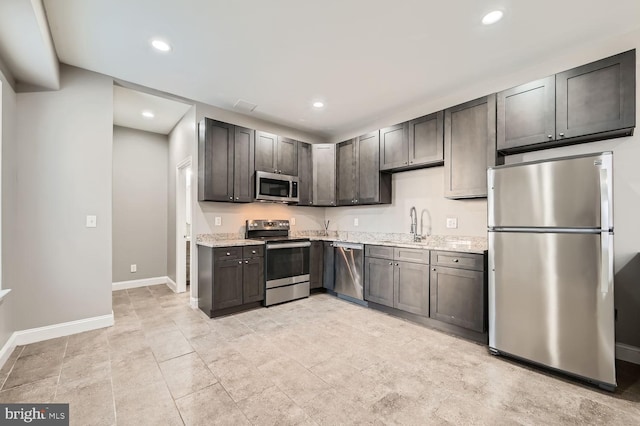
628 353
123 285
171 284
193 301
33 335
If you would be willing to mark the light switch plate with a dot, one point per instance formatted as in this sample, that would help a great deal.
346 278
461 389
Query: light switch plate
92 221
134 268
218 221
452 222
293 221
355 221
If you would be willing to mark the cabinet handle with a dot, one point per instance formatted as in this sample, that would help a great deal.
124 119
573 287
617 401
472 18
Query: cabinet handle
433 269
246 262
231 198
356 201
410 162
390 263
397 264
405 162
455 260
310 202
550 136
561 134
240 262
228 254
253 252
237 198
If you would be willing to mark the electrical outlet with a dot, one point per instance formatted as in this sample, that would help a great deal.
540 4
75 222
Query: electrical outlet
92 221
134 268
218 221
452 222
355 222
293 221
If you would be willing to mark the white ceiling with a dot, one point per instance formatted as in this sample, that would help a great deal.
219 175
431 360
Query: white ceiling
26 45
363 58
129 104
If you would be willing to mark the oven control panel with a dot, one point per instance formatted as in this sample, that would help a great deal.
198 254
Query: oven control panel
267 225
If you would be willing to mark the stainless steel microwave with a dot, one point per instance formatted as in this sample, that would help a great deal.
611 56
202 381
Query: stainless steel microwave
276 187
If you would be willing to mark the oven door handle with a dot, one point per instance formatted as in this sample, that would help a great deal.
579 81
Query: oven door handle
288 245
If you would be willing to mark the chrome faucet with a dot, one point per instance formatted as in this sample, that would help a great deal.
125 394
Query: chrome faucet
413 214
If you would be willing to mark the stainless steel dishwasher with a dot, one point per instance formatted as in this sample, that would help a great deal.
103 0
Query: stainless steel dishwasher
348 260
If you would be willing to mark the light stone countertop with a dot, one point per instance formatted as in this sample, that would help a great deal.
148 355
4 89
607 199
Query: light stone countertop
476 245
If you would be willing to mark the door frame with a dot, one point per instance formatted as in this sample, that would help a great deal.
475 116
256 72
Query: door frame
181 201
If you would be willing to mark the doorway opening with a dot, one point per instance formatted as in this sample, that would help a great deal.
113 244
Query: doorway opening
184 240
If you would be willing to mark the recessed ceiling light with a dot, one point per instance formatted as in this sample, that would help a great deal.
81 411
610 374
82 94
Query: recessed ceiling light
492 17
161 45
318 104
148 114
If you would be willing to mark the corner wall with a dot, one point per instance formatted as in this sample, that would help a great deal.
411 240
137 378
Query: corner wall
139 204
56 170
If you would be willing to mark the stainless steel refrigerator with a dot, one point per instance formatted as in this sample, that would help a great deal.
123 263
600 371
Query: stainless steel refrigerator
551 265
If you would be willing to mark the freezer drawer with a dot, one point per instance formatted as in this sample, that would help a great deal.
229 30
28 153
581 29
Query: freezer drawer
574 192
551 300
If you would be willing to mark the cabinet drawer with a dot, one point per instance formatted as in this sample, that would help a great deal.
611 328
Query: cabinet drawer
253 251
227 253
381 252
411 255
458 260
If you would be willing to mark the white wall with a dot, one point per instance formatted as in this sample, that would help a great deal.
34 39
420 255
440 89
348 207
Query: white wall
8 110
56 171
139 204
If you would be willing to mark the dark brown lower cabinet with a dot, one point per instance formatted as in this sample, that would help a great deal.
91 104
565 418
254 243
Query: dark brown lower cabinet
397 284
316 264
457 297
411 287
230 279
378 284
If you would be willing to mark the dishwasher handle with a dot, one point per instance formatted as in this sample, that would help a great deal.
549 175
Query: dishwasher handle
348 246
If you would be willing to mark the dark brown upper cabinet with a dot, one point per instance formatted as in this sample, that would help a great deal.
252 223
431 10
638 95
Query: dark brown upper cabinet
527 114
596 98
305 174
324 174
470 147
359 180
225 166
591 102
413 144
276 154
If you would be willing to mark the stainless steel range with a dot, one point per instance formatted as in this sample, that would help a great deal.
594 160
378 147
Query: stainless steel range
286 260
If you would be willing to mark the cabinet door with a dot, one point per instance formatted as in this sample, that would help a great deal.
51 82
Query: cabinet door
394 147
368 168
527 114
305 174
243 175
253 280
411 291
316 264
346 184
266 152
470 147
426 140
378 281
215 168
328 279
287 156
597 97
458 297
324 174
227 284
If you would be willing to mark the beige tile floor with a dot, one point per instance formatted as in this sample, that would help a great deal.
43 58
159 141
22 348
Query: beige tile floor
315 361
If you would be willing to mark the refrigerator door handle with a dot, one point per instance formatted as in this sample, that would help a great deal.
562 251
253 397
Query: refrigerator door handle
606 166
606 267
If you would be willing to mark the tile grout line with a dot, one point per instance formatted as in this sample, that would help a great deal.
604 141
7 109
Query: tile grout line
64 355
11 369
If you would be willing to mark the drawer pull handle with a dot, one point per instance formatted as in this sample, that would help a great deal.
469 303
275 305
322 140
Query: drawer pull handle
390 263
433 269
397 264
253 252
228 254
455 260
246 262
240 262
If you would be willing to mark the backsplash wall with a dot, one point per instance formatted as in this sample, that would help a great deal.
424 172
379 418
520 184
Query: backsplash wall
423 189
